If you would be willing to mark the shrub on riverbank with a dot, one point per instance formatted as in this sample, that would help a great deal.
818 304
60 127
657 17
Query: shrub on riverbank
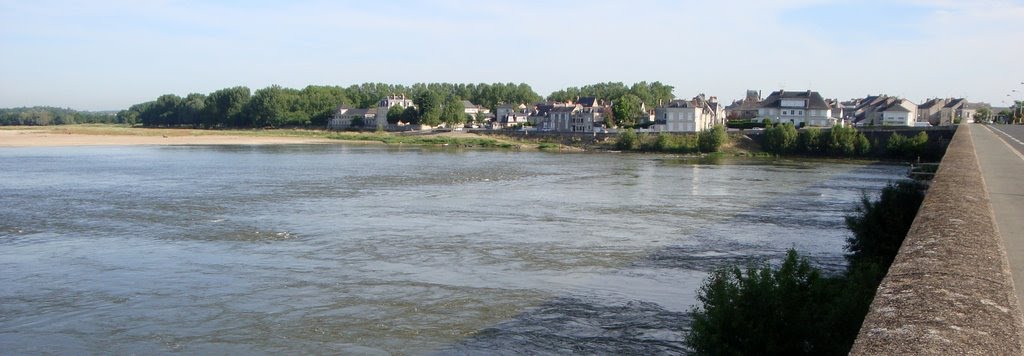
712 139
793 309
707 141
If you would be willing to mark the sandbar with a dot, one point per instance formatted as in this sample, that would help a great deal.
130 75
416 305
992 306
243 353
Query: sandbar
52 138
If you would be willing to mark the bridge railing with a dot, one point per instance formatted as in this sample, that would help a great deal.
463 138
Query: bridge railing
949 291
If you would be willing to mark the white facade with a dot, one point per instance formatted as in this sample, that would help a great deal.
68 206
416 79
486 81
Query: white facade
381 114
686 119
796 114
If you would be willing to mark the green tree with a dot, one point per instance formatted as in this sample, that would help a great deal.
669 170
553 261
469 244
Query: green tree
452 112
395 114
267 107
317 103
983 115
712 139
411 116
224 108
626 109
429 106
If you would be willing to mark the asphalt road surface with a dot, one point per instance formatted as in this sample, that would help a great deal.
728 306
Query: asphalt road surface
1000 150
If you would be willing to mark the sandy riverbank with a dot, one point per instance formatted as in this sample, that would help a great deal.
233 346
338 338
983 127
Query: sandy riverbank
53 138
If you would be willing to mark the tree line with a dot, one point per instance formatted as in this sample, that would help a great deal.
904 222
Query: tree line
46 115
276 106
625 100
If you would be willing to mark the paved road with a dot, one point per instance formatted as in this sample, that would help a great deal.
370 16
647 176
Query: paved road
1000 150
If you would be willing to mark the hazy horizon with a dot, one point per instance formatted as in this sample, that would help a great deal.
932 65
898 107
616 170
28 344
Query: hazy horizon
108 55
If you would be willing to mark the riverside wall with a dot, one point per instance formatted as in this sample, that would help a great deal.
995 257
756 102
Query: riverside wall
949 291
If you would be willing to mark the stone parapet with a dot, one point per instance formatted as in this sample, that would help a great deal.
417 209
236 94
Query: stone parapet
949 291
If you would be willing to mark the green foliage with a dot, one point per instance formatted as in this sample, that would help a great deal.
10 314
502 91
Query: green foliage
411 116
628 140
626 109
648 93
903 147
983 115
780 139
761 310
879 226
810 141
395 114
45 115
792 309
452 112
712 139
863 146
357 122
429 105
842 141
276 106
224 108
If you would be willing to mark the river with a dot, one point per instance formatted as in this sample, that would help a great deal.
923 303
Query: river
366 249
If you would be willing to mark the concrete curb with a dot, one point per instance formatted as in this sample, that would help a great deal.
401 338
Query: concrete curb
949 291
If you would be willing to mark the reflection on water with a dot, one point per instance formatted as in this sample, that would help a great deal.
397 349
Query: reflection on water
367 249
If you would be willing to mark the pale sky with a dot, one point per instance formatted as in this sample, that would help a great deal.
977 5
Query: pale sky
108 55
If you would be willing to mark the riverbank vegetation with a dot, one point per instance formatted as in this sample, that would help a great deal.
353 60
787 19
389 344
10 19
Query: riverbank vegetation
312 106
707 141
795 308
45 115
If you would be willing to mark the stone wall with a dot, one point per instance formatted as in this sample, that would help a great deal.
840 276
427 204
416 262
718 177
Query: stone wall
949 290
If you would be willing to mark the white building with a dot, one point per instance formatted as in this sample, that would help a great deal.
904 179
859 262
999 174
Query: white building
900 112
800 108
381 117
345 118
684 116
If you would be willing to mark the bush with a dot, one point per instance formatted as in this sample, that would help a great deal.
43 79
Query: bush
794 310
842 141
712 139
628 140
879 227
664 143
809 141
863 146
780 139
761 310
903 147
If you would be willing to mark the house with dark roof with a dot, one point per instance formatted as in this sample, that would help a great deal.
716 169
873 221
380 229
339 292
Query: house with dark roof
800 108
946 111
693 115
884 110
566 119
745 108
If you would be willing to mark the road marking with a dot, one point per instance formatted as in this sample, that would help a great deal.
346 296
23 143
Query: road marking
1008 145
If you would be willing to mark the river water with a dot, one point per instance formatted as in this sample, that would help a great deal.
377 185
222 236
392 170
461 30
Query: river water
334 249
